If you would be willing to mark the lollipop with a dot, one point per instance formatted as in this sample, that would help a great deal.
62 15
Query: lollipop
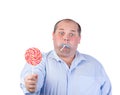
33 56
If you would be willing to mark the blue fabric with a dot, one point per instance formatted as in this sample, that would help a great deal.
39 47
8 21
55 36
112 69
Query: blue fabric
86 76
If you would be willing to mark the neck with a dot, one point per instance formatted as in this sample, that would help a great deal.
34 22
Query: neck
68 60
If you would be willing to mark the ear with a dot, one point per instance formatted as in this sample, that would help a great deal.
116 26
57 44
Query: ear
53 35
79 39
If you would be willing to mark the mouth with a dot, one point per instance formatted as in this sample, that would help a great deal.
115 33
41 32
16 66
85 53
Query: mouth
64 46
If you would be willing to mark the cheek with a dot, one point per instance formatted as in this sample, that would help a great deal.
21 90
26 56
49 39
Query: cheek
56 38
75 41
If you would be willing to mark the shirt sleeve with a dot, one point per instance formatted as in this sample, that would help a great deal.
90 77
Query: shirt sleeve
106 88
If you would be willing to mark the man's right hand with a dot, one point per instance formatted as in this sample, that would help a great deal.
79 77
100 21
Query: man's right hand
31 82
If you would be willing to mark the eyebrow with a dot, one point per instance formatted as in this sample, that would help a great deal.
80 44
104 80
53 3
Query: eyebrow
60 29
73 30
70 30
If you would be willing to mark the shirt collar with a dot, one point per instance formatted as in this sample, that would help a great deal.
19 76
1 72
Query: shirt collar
79 56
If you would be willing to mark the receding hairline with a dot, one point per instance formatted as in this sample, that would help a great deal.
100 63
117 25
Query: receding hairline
68 20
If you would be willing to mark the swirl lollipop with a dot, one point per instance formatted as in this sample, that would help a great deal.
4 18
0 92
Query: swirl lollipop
33 56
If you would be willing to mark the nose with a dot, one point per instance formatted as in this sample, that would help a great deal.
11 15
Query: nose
66 38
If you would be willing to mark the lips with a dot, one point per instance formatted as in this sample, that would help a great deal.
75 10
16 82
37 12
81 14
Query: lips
64 46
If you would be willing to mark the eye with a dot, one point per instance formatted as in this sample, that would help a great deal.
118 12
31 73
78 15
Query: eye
71 34
61 33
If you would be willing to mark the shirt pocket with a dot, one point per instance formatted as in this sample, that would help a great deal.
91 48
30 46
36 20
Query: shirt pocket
87 85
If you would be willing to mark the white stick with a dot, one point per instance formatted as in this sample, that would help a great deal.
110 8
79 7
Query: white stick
62 47
32 69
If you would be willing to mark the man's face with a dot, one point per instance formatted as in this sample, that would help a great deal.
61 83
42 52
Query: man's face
66 38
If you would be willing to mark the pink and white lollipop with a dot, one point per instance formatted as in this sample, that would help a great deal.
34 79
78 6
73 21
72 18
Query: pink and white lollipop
33 56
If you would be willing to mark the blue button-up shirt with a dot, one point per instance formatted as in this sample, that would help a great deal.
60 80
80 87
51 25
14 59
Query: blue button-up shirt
86 76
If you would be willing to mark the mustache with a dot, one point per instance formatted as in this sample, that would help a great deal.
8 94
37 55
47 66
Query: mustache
64 46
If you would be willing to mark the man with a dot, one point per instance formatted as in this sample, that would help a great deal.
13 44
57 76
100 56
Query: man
64 70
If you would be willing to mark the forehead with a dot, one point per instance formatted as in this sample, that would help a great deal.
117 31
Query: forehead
67 24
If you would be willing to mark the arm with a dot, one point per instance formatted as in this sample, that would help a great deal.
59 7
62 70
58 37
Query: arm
32 82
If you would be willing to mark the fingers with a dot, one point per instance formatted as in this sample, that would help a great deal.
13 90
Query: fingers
31 87
30 82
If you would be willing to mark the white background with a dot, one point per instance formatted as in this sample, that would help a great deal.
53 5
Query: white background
29 23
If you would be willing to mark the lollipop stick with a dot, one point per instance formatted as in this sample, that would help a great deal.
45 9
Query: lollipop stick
32 69
62 48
